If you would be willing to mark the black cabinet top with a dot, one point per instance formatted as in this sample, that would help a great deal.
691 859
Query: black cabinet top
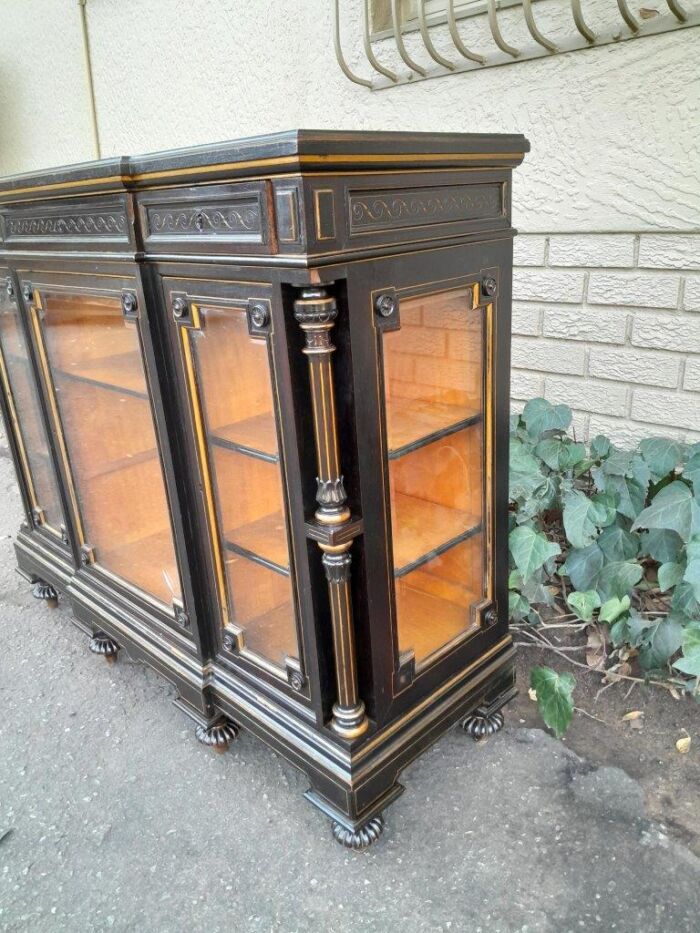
277 153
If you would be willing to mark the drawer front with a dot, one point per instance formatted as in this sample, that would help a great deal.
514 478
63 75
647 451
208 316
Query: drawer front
207 219
90 224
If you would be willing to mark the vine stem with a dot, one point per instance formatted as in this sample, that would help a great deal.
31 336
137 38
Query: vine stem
544 645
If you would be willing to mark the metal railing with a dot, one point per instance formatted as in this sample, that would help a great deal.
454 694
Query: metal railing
387 52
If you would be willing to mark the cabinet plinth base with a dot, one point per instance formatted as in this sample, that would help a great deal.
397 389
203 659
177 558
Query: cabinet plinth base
359 838
217 736
44 590
102 644
481 723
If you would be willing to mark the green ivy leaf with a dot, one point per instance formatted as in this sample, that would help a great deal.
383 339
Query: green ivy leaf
669 575
530 549
690 662
583 566
540 415
584 604
692 576
618 579
613 608
560 454
661 640
684 601
671 508
554 697
691 471
518 606
629 495
661 454
618 544
600 446
581 516
661 544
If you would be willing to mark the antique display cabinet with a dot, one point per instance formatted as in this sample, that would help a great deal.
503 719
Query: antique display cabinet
257 399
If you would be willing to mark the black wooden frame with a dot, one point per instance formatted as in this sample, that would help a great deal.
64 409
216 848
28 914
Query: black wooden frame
351 215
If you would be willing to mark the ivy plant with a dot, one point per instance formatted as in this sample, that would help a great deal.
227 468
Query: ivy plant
604 542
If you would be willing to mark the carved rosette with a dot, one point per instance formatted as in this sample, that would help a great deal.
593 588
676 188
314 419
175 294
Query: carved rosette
480 724
359 838
217 736
316 312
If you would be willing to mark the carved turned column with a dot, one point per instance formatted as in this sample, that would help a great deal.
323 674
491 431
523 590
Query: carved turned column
334 528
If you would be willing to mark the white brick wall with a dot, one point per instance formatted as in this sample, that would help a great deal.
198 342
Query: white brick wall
610 325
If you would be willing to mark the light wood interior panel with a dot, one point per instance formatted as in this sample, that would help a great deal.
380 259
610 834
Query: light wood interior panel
433 383
27 407
235 391
434 603
433 366
262 606
228 358
108 428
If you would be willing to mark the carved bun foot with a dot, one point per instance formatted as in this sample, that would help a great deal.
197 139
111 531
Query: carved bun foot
219 736
104 645
481 724
359 838
43 590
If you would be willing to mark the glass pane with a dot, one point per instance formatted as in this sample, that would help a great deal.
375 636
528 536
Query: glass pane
433 377
95 361
30 428
235 388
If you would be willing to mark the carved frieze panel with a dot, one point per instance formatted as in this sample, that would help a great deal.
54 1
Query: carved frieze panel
66 223
395 209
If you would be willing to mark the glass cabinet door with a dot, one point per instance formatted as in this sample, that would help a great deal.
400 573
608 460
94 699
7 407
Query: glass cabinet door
95 371
434 389
228 367
25 415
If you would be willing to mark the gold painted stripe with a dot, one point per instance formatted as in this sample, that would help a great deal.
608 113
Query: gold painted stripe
55 415
203 452
16 430
366 158
317 427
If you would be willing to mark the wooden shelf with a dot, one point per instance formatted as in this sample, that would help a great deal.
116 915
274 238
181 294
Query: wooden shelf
122 463
421 530
427 622
145 563
414 423
122 372
256 437
264 541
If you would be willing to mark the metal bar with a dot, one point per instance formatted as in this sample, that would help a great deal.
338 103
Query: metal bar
626 14
369 51
587 33
457 39
534 31
428 42
496 32
677 10
339 51
89 79
398 39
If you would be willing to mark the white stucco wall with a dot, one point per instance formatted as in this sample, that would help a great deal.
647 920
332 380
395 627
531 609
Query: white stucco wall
615 136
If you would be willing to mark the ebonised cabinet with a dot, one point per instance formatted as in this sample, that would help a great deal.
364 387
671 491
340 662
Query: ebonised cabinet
257 399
